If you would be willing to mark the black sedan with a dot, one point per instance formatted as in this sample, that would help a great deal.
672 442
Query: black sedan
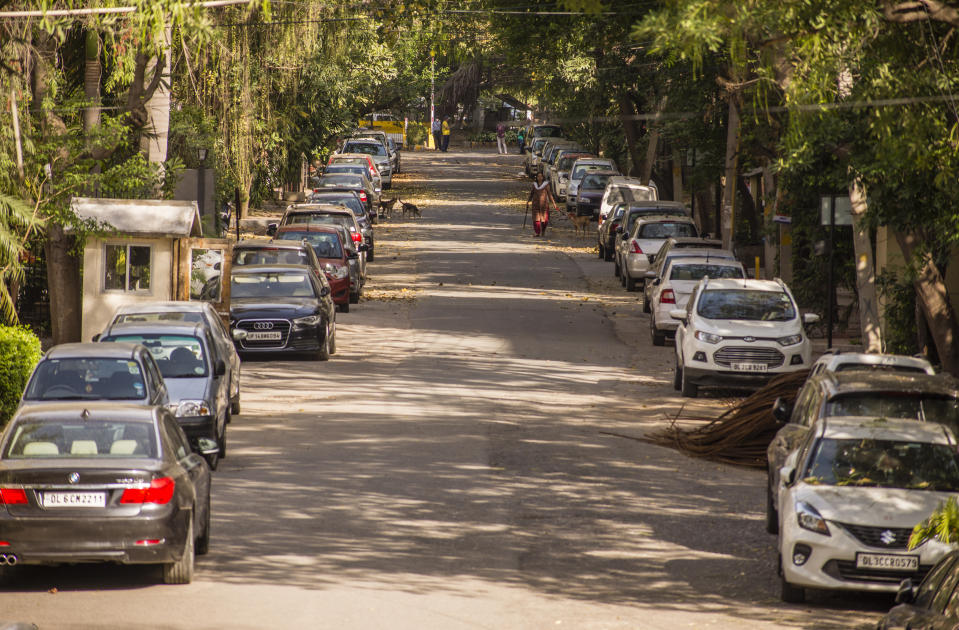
281 308
102 482
590 194
932 605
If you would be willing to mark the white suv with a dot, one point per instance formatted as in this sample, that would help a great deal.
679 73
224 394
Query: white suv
739 333
578 171
622 189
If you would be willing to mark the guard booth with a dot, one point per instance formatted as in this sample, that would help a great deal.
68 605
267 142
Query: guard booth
149 251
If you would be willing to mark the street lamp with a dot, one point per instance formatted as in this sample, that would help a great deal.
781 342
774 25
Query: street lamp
432 95
201 186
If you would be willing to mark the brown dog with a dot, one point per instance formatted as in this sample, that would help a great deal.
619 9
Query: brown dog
386 207
410 209
580 223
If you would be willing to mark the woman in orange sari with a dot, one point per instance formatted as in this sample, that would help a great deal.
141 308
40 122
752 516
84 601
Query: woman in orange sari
541 197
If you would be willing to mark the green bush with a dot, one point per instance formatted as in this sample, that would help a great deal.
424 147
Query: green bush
415 134
19 353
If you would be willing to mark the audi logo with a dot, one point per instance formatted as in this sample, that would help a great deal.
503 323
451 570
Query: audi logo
262 325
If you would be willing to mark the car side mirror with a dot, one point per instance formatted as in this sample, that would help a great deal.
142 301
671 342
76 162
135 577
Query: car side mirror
619 229
206 446
810 318
782 410
787 474
271 229
219 369
906 593
678 313
325 291
95 337
650 274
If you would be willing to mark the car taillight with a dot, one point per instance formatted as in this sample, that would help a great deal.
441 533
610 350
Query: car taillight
13 496
159 492
667 297
634 248
363 197
356 236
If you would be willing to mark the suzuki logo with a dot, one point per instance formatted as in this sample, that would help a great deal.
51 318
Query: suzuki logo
887 537
74 477
263 325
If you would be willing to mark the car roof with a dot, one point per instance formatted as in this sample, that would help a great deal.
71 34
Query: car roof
351 155
162 307
250 269
602 172
692 240
854 428
164 327
663 218
744 283
652 204
702 254
92 350
309 227
277 243
97 410
699 260
851 381
832 360
363 140
595 160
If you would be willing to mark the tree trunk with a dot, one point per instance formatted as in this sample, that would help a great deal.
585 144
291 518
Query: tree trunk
631 131
153 139
677 168
769 200
748 212
732 163
865 270
650 160
933 298
63 283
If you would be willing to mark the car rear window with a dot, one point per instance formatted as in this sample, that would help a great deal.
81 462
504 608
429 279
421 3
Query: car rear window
173 316
747 304
322 219
696 271
666 230
271 285
86 379
269 256
89 439
883 464
582 170
904 405
548 132
324 244
178 356
348 199
336 180
594 182
369 148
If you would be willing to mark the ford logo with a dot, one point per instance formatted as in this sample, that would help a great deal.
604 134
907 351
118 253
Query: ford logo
74 477
749 339
263 325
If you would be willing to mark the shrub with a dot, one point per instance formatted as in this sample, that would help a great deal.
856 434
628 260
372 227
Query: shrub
19 353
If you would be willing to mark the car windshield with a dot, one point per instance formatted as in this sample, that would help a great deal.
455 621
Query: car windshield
767 306
86 379
369 148
580 171
271 285
663 229
873 367
50 439
353 169
340 181
172 316
325 244
321 219
905 405
548 131
698 271
538 143
178 356
348 199
350 160
594 182
883 464
269 256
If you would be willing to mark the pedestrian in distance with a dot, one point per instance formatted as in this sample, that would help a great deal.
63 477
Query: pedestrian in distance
521 139
446 134
437 135
542 198
501 138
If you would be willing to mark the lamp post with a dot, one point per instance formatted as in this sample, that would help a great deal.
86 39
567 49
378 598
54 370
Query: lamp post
432 94
201 187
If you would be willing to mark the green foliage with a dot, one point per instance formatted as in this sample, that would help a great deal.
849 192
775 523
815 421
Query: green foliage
899 311
942 525
19 353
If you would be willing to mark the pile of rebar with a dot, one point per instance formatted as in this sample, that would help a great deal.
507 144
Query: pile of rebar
739 436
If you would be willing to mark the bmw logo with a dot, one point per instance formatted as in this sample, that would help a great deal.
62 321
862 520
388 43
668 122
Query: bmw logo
74 477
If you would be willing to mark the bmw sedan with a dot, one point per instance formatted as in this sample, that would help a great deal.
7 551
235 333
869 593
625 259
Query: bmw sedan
281 308
102 482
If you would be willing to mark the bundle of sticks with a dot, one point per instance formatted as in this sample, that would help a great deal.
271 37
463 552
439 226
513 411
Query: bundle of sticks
739 436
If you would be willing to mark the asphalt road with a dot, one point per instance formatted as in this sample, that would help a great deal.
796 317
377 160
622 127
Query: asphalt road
460 463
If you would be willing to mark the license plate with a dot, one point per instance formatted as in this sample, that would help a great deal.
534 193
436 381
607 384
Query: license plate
887 562
265 335
749 367
74 499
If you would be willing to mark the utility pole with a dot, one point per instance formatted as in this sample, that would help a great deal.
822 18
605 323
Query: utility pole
432 95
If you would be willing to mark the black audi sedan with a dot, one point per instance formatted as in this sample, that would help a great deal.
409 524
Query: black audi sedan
101 482
281 308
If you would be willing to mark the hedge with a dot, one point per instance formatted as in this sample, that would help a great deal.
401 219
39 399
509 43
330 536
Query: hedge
19 353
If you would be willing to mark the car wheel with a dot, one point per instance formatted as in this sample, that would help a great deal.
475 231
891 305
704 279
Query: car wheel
323 354
355 298
772 516
659 339
616 267
689 389
333 339
602 251
646 308
677 377
608 254
369 256
181 571
234 408
213 460
345 308
203 542
630 282
790 593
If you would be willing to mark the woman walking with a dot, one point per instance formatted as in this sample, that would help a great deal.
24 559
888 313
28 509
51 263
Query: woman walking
541 198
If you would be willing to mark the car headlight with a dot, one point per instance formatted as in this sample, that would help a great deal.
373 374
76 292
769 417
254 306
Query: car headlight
702 335
336 271
791 340
188 408
809 518
563 178
309 320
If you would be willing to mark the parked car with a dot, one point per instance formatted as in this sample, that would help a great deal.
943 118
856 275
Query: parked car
837 361
356 158
92 371
590 192
106 482
350 199
360 184
388 142
350 168
547 131
623 189
281 308
531 161
613 234
196 376
146 312
930 605
638 249
739 333
360 230
559 176
673 290
903 395
681 248
275 251
578 170
332 255
376 150
551 151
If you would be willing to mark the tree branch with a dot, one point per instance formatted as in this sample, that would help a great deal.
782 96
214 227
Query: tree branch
916 10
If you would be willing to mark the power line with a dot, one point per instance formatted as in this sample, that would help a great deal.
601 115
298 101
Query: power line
14 15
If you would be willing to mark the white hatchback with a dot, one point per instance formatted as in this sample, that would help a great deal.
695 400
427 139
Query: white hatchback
578 171
623 189
739 333
850 496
